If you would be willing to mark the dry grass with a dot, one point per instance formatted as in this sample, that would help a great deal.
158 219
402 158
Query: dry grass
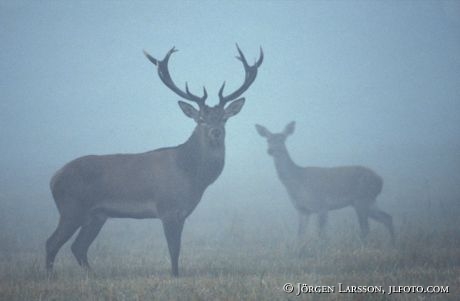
249 265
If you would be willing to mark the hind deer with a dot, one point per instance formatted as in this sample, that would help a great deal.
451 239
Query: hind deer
319 189
166 183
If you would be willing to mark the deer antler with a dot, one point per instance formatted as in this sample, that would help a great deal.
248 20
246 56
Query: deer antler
250 76
165 77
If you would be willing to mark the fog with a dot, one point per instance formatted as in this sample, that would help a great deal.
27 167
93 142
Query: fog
369 83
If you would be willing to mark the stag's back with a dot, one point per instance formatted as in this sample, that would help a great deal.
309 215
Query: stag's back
129 177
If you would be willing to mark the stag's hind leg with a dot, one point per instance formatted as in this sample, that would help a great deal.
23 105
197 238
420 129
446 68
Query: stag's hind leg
65 229
383 218
86 236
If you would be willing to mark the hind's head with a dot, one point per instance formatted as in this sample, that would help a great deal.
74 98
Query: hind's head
276 141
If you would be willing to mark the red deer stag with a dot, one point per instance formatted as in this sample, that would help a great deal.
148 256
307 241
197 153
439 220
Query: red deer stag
166 183
319 189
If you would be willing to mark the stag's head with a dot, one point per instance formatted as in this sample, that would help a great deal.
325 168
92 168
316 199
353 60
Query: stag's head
210 119
276 141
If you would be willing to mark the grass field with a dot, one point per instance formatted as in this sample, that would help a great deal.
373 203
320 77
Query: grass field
245 261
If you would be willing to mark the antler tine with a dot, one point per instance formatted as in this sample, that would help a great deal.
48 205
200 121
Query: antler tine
241 56
163 73
203 98
221 90
261 58
250 76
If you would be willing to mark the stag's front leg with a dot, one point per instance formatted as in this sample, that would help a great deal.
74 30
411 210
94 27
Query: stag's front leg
172 228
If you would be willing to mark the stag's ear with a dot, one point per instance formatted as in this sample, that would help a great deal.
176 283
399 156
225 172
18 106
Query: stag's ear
189 110
262 131
233 108
289 129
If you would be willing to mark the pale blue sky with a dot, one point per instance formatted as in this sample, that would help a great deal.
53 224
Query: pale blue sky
368 82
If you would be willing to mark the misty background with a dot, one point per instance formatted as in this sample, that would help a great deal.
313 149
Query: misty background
369 83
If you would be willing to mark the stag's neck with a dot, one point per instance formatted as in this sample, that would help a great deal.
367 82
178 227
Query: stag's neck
287 170
200 160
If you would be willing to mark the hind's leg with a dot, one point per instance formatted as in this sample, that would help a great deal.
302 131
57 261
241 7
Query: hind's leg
303 223
301 233
86 236
363 214
322 221
65 229
385 219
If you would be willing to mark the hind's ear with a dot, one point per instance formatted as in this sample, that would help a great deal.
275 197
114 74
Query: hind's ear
289 129
262 131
